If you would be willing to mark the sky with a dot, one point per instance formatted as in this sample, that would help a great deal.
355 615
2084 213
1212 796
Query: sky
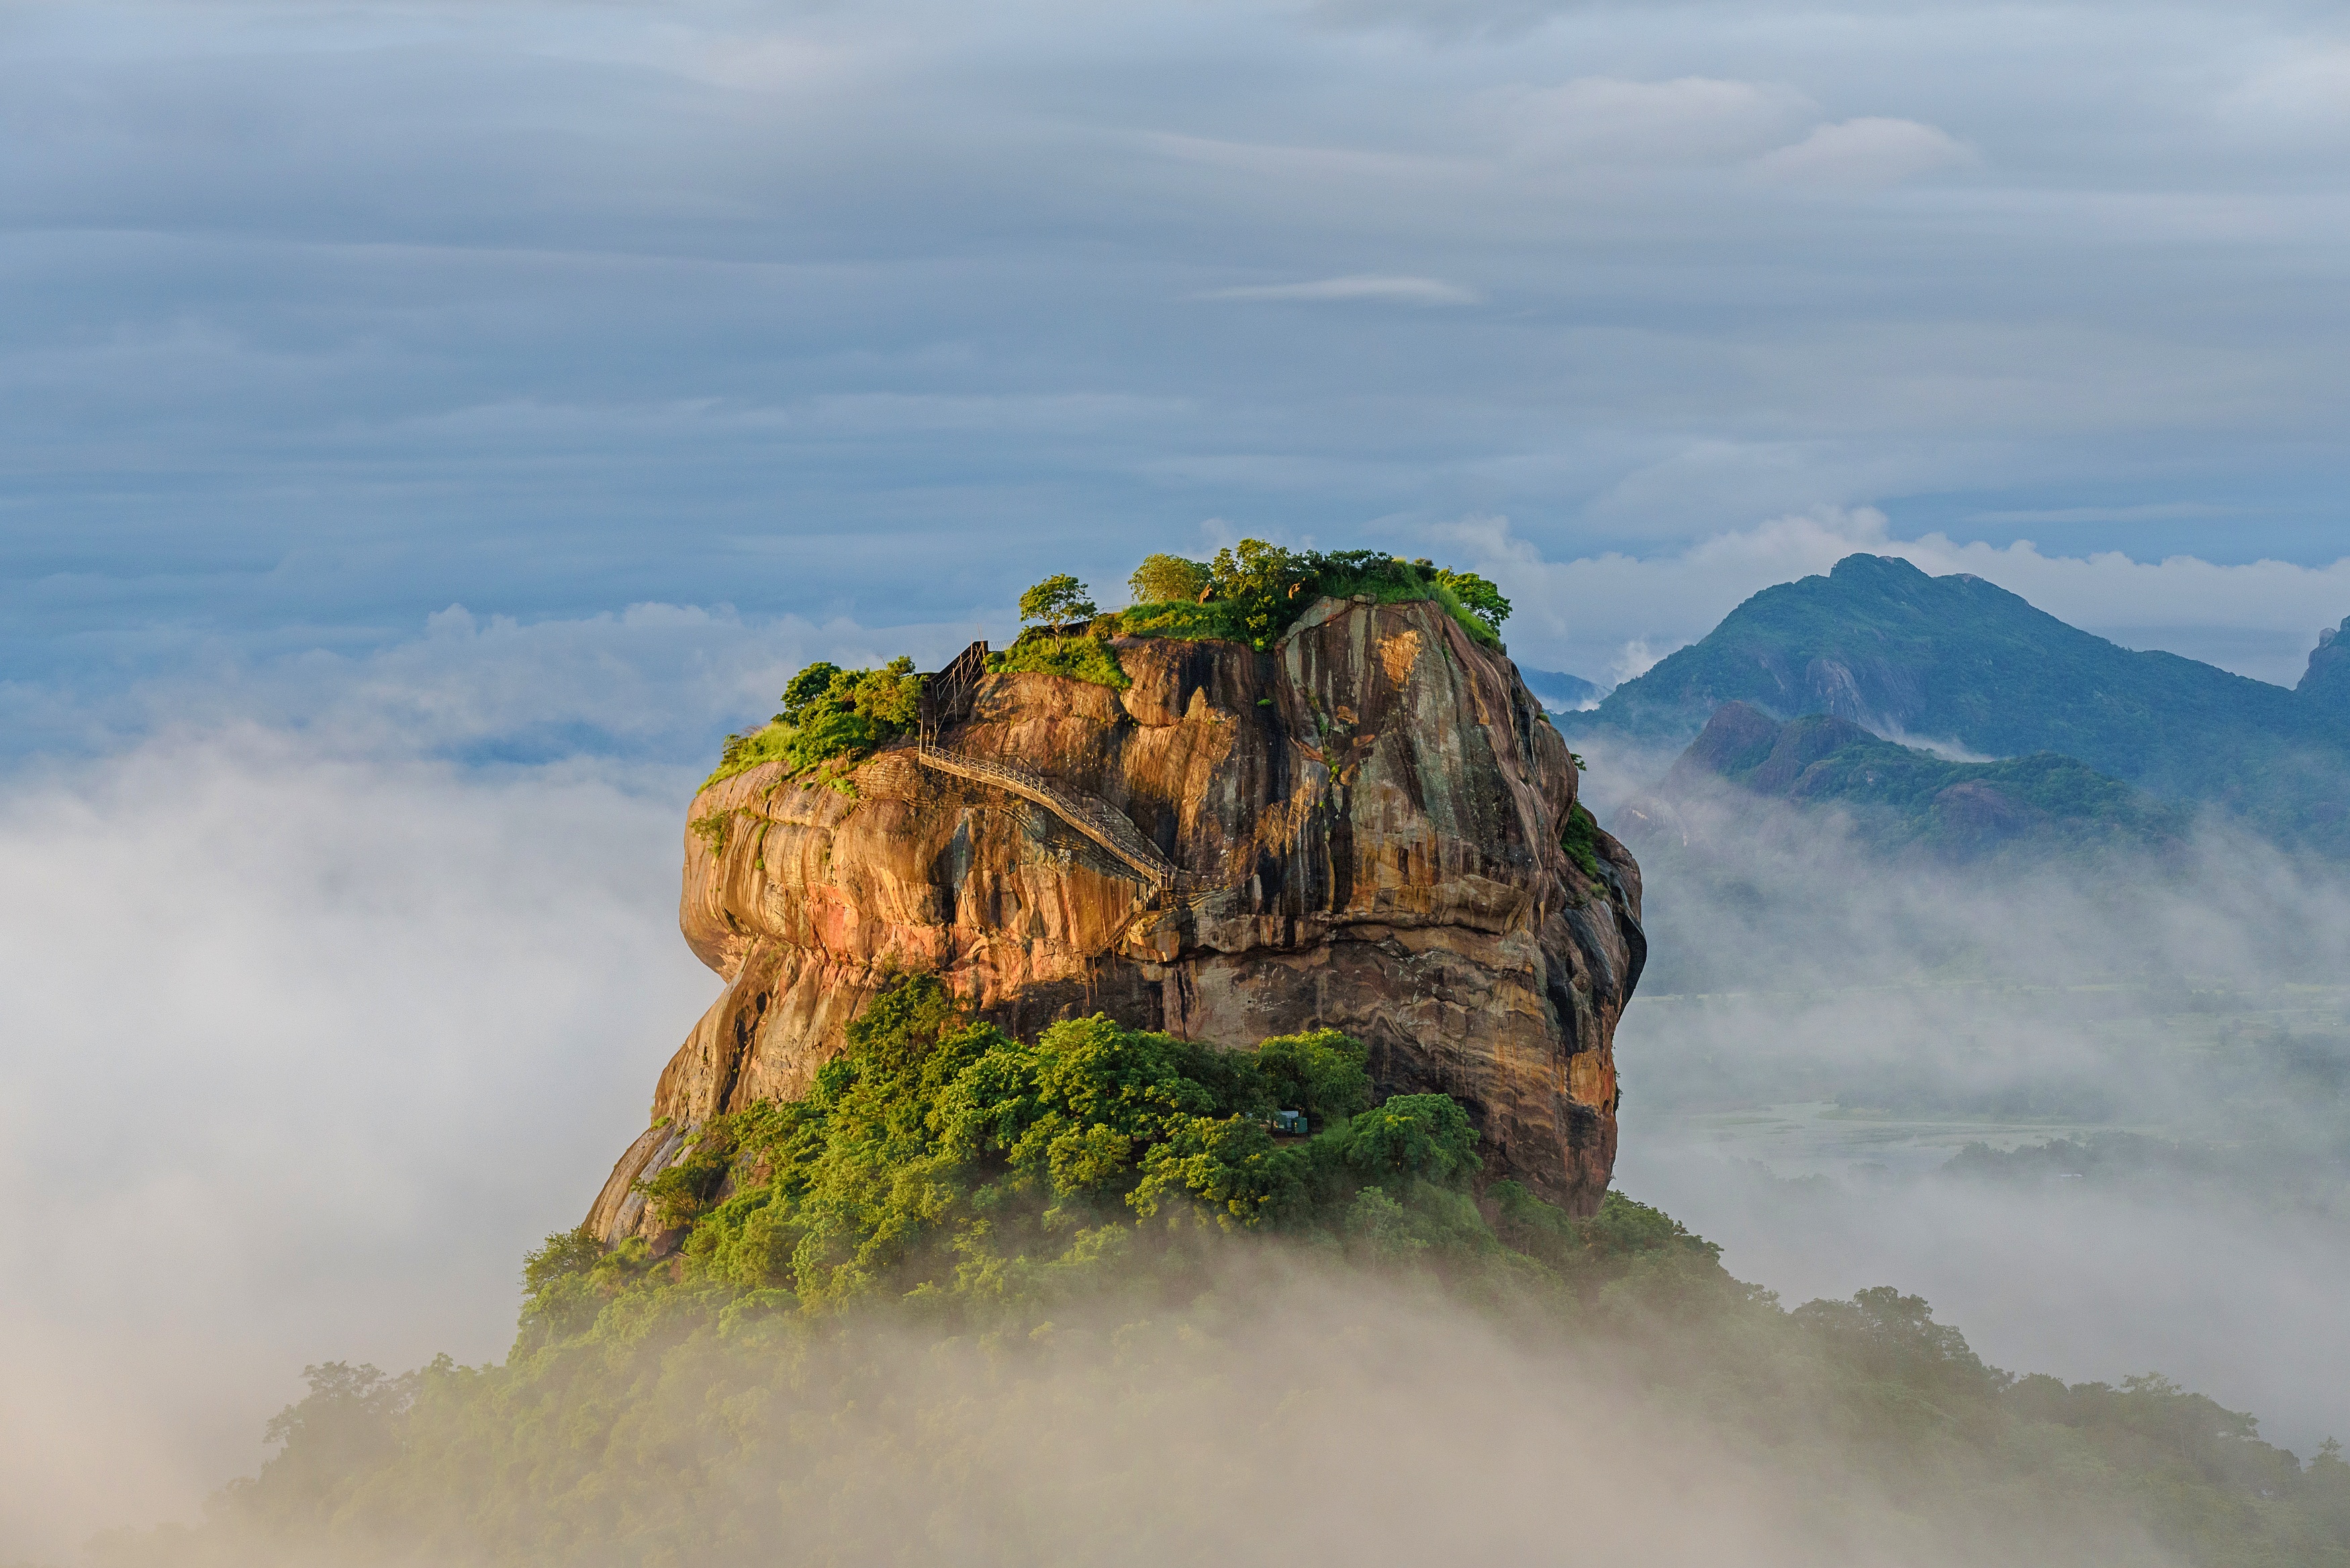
331 317
426 429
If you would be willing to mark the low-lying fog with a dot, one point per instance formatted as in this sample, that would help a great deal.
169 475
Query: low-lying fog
1823 1035
303 1054
309 1044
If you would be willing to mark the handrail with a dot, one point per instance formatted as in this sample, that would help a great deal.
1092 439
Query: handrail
945 701
945 697
1090 816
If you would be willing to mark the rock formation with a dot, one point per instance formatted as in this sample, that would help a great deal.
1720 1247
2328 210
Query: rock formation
2326 682
1359 829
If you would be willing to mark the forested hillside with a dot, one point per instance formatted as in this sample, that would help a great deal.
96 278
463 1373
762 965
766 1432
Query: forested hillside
981 1299
1900 797
1955 659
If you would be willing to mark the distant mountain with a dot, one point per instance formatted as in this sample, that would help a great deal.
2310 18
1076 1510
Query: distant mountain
1559 691
1900 797
1956 661
2327 682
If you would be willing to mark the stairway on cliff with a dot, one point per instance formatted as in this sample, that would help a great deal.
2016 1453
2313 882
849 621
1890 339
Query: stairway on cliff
1088 813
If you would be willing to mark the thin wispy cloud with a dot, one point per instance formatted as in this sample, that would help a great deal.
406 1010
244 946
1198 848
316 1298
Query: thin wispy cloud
1864 155
1358 288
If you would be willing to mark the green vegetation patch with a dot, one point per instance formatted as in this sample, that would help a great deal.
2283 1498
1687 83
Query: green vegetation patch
832 720
1216 620
1082 657
937 1157
1253 592
1579 838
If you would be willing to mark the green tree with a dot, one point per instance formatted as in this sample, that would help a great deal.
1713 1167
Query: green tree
346 1425
1426 1136
1059 598
806 688
1164 578
566 1252
1478 596
1320 1072
1880 1333
1228 1164
1263 583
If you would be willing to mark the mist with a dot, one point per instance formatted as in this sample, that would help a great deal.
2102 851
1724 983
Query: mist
1824 1031
1290 1413
306 1051
324 1011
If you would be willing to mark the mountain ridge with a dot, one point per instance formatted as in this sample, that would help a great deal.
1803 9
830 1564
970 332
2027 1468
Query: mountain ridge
1880 643
1901 797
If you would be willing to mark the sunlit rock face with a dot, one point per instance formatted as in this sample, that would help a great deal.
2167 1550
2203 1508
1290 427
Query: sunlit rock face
1366 822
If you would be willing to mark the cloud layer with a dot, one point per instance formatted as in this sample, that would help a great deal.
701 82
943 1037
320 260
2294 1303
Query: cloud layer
336 316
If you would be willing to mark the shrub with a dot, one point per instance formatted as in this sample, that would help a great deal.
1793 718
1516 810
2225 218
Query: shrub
1164 578
832 720
679 1194
1579 837
1266 586
741 753
1213 621
1477 596
1259 590
1082 657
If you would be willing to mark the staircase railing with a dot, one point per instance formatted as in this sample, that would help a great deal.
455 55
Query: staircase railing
1089 814
945 699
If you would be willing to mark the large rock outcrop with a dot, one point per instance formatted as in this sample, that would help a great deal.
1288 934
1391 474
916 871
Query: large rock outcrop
1360 830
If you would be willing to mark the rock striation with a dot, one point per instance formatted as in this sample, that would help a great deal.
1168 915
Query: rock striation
1359 829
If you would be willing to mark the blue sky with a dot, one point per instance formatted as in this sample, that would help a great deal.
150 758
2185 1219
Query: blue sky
329 317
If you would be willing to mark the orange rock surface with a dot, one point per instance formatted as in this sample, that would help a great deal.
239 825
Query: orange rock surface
1365 823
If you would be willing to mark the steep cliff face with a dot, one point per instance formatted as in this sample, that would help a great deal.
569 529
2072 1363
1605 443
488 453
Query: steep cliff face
1359 829
2327 682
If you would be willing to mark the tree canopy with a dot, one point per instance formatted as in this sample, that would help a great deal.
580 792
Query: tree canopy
1059 598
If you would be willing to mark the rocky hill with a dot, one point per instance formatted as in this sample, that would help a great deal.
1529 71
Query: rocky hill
1959 660
1367 825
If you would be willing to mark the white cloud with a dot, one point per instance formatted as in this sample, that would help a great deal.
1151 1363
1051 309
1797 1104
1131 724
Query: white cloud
2307 88
1361 286
652 680
1864 154
1636 661
1690 119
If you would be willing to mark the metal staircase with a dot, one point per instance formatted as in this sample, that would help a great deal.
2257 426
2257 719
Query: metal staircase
946 699
1089 814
